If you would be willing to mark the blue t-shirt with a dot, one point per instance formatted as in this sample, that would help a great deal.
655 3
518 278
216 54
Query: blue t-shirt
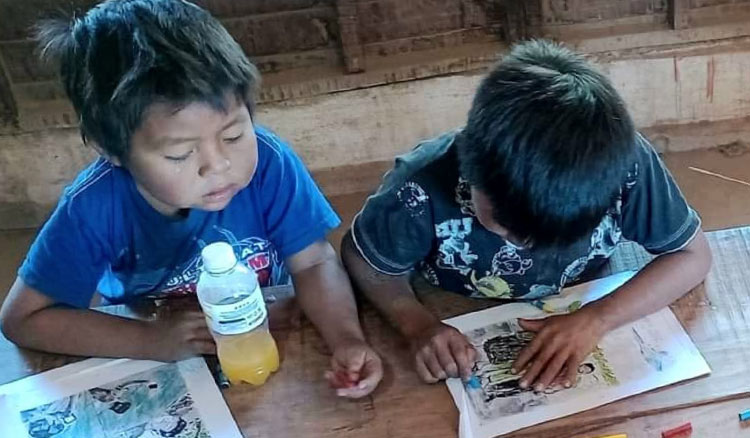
103 236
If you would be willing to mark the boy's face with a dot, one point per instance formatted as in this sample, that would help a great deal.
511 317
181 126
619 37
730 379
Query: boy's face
483 210
193 156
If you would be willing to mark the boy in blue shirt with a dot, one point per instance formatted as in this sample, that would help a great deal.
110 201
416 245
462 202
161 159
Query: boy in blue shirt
533 194
166 96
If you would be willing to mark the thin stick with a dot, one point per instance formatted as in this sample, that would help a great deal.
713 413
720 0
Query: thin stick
726 178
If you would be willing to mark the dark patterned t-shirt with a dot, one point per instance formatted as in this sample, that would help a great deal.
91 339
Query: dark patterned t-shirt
422 218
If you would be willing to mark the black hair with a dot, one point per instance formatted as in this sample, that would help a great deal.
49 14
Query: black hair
549 142
124 55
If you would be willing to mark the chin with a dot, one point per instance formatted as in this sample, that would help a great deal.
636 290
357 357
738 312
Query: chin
214 206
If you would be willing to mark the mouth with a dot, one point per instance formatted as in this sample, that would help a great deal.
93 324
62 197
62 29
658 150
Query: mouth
221 194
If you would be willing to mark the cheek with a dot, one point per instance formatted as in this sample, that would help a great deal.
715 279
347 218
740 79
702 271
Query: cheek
169 183
244 159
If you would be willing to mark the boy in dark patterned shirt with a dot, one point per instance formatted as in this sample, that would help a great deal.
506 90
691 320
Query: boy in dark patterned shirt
533 194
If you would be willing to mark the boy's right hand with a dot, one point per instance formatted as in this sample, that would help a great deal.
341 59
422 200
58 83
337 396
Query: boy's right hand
180 336
440 351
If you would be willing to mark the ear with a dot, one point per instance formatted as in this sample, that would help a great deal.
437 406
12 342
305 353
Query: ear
111 158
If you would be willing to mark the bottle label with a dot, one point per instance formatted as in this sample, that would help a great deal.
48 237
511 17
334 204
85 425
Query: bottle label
241 315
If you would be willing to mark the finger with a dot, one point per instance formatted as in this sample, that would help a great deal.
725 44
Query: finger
471 353
552 370
332 379
539 364
339 364
423 372
461 354
528 352
194 325
532 325
354 391
355 366
433 364
352 362
560 379
373 372
572 372
204 347
338 379
445 358
192 316
200 334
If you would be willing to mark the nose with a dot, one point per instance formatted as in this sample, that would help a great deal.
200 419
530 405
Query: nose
215 160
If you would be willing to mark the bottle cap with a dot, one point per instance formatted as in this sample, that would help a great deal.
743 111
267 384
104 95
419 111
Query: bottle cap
218 257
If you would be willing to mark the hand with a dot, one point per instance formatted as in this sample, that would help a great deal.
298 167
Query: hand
180 336
561 343
355 369
441 351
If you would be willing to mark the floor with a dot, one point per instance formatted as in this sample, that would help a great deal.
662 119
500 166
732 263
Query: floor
721 203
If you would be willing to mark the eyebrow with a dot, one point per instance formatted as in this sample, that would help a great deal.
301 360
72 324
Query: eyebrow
171 141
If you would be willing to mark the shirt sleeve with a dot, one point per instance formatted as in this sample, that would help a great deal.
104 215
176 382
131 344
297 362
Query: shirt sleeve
295 210
655 214
66 260
394 231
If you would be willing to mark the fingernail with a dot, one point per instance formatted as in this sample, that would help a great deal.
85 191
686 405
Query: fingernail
513 371
524 384
567 383
539 388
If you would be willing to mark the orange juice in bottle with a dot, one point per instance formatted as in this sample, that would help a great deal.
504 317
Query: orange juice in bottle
232 301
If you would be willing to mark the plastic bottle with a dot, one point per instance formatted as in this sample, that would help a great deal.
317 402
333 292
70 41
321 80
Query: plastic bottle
232 301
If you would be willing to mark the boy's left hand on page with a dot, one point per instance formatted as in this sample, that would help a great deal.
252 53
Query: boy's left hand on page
356 370
560 345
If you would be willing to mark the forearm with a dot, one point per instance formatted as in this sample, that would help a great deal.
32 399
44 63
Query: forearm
391 295
661 282
325 296
83 332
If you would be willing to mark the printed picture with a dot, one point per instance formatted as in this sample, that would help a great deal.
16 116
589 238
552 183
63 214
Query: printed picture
153 404
495 392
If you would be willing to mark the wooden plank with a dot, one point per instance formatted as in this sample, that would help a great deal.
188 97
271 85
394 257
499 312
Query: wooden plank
516 22
652 40
713 420
8 107
602 28
677 13
388 70
444 41
351 45
473 14
738 12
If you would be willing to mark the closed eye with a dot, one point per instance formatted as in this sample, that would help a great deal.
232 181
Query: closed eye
182 157
233 139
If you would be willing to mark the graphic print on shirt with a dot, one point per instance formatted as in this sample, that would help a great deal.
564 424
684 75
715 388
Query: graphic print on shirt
489 286
505 262
463 197
254 252
537 291
429 274
454 251
604 241
414 198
